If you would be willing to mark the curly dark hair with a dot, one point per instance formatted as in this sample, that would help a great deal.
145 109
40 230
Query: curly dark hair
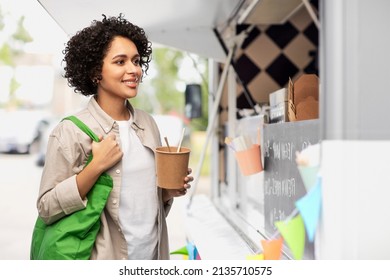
85 51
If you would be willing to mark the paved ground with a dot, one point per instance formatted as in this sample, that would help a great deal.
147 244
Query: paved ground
176 231
19 183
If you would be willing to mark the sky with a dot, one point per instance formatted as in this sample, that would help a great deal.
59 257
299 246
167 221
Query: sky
48 36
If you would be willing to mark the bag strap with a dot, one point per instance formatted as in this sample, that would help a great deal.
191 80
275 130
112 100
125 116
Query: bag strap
87 131
83 127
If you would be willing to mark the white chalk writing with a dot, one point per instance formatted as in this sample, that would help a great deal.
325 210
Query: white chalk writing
281 150
284 187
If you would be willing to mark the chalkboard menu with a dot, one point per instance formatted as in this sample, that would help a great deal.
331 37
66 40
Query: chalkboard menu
283 185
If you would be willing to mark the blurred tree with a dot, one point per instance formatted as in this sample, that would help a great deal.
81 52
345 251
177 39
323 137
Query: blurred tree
163 90
6 54
21 34
1 19
167 62
11 49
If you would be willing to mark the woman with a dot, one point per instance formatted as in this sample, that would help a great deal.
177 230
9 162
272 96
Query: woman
107 61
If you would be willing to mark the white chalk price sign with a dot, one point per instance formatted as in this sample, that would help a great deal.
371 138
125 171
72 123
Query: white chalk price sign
283 185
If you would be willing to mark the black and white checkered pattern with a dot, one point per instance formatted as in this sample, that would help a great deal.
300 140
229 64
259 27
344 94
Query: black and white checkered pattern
272 54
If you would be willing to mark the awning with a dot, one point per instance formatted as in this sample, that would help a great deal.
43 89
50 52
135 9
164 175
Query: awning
186 25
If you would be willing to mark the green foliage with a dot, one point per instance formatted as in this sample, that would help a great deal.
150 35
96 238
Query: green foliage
167 62
160 93
21 34
14 85
2 24
6 54
12 48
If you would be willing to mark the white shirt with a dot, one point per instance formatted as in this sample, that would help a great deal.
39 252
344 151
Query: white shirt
138 207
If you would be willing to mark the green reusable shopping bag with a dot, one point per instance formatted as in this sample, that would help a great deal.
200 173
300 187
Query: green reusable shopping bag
73 236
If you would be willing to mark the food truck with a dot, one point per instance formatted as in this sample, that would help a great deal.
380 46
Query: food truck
297 129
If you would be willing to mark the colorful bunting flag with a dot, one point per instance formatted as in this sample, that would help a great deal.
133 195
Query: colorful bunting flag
181 251
293 232
309 207
309 176
255 257
190 252
272 249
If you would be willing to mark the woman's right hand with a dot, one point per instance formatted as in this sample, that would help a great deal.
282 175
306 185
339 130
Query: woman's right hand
106 153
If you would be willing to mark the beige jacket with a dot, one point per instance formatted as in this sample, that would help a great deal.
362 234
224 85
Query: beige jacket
67 153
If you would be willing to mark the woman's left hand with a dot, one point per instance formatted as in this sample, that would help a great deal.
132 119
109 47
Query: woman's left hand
170 193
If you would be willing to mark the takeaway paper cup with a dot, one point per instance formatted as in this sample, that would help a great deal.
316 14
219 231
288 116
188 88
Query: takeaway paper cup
249 160
171 167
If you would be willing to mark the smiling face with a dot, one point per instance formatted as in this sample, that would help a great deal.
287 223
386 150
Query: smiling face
121 71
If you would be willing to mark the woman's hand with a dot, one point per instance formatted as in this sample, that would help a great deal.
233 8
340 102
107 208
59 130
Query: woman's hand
171 193
106 153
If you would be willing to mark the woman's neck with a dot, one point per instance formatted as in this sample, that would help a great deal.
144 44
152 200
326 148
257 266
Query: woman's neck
116 109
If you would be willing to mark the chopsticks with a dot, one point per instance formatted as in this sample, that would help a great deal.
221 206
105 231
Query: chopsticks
166 141
181 140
